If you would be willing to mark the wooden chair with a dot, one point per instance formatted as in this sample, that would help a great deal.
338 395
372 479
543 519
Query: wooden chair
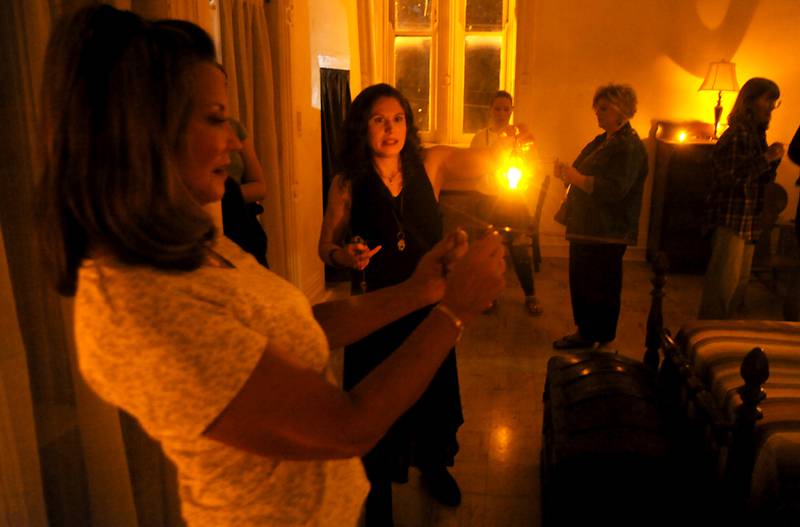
533 231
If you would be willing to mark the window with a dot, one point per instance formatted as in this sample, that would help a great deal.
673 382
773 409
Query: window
449 57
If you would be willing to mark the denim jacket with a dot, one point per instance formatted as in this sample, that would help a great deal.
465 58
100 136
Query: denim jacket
610 214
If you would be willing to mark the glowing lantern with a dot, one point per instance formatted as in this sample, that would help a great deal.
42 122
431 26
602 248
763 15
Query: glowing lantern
682 136
514 173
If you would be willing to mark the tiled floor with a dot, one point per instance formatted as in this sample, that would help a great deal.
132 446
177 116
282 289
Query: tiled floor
502 360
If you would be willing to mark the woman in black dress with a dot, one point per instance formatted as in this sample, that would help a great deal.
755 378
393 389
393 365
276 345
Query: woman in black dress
382 216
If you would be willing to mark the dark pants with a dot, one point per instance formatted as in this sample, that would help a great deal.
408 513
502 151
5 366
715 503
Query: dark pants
240 222
595 286
470 210
521 258
511 212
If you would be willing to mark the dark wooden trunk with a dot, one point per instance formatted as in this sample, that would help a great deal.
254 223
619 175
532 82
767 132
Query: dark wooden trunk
605 454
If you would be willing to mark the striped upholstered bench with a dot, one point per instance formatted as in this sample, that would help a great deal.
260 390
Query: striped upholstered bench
716 350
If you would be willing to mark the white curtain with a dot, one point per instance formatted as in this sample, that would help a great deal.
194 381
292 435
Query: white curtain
37 400
21 497
367 42
245 54
57 439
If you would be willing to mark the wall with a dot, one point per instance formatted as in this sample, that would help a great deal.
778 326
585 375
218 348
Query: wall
566 48
319 28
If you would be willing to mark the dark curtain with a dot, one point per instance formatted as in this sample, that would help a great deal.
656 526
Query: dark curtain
335 103
240 222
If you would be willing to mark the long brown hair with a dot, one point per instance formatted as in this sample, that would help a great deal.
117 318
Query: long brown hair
355 157
742 111
117 95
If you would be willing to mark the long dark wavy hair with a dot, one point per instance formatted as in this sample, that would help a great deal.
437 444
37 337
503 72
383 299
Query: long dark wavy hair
355 157
742 111
117 96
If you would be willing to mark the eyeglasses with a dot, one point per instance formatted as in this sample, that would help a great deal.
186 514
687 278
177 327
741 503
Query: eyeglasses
776 104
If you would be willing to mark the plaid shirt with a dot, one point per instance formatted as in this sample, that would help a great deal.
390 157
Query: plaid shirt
739 172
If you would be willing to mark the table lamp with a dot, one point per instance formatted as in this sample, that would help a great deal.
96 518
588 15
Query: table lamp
721 77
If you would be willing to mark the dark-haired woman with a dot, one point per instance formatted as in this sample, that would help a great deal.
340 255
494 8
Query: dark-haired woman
219 359
742 164
386 199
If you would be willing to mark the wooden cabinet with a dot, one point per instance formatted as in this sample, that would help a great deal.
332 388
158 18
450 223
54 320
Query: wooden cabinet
681 182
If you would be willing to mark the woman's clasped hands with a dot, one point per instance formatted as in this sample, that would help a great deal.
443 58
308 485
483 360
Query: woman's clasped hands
464 276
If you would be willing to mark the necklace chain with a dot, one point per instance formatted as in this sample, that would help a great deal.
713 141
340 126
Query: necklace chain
393 175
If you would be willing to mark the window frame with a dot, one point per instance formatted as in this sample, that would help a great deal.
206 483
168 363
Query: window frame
389 57
446 69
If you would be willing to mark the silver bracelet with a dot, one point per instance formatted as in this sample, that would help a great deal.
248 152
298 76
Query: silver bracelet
457 322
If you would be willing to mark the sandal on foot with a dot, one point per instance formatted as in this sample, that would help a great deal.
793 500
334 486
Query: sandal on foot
571 342
532 305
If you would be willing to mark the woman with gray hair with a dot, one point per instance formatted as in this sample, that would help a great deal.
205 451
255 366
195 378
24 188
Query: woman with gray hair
601 214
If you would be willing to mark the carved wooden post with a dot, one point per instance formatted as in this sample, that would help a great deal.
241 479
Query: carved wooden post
655 318
755 372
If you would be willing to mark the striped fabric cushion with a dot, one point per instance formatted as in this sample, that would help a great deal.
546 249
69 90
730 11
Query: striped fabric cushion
717 348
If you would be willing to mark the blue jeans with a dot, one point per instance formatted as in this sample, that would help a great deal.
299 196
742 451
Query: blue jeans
726 277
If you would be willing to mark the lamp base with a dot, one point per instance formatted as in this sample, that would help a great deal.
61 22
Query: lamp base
717 113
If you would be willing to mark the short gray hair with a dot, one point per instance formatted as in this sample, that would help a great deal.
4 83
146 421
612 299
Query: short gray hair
620 96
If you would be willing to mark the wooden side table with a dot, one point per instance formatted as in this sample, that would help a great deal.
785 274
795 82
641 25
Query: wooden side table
681 182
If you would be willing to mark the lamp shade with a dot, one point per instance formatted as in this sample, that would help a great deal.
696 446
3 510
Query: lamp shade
721 76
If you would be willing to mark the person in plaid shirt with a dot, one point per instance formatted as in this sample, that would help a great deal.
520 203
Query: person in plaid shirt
742 164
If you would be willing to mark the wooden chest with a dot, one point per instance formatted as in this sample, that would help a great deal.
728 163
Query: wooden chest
605 452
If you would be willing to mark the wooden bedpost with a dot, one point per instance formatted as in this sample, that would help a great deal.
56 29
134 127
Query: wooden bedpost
655 318
755 372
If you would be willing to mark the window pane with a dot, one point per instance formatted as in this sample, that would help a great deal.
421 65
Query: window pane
412 59
481 79
413 15
484 15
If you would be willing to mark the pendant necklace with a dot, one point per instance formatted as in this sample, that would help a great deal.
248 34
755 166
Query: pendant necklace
401 235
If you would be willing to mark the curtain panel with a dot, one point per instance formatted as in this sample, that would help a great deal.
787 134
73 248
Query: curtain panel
62 454
245 54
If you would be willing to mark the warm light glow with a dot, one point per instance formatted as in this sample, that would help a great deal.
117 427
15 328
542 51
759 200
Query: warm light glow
682 136
500 443
514 174
479 41
411 42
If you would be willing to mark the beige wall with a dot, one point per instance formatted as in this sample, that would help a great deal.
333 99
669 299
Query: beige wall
318 28
566 48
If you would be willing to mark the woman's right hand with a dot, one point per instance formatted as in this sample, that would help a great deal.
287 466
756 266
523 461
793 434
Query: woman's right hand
356 254
477 278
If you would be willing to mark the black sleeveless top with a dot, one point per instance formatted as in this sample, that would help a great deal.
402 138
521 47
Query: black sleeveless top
378 217
427 431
